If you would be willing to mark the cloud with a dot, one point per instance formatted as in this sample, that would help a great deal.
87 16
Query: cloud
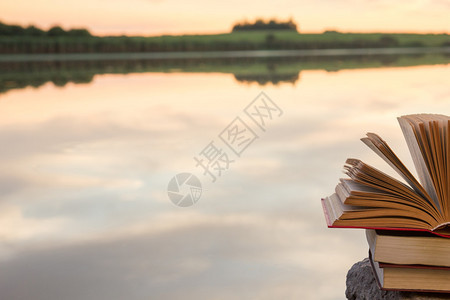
239 257
10 184
16 228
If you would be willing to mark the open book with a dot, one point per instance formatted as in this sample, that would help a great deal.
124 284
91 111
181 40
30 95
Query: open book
370 198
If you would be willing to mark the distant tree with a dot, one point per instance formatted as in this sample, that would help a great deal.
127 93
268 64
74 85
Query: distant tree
4 29
11 29
78 32
16 30
33 31
331 31
56 31
260 24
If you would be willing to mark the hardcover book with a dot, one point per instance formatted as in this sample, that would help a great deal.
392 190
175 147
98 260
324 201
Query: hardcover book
408 248
411 278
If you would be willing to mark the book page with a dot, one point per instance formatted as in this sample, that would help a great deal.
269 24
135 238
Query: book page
410 132
379 146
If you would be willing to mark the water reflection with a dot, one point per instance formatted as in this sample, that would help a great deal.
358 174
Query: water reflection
259 70
84 212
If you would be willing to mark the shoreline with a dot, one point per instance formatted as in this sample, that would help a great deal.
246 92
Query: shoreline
220 54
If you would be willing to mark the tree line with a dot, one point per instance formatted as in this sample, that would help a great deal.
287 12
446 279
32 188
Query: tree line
17 30
15 39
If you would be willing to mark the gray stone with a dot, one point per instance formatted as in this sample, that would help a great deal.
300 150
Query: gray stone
362 285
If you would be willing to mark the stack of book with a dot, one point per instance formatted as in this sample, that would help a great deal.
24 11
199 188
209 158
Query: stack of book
411 261
407 222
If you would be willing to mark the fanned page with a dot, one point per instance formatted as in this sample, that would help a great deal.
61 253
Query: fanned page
358 194
379 146
392 189
431 133
372 198
410 132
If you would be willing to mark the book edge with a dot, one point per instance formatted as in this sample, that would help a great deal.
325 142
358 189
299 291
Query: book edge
325 212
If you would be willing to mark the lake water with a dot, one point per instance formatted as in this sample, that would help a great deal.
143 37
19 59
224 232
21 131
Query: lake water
84 208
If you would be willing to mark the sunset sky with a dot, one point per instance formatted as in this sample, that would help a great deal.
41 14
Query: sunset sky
155 17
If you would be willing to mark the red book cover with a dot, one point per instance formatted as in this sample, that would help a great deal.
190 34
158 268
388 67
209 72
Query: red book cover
386 265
